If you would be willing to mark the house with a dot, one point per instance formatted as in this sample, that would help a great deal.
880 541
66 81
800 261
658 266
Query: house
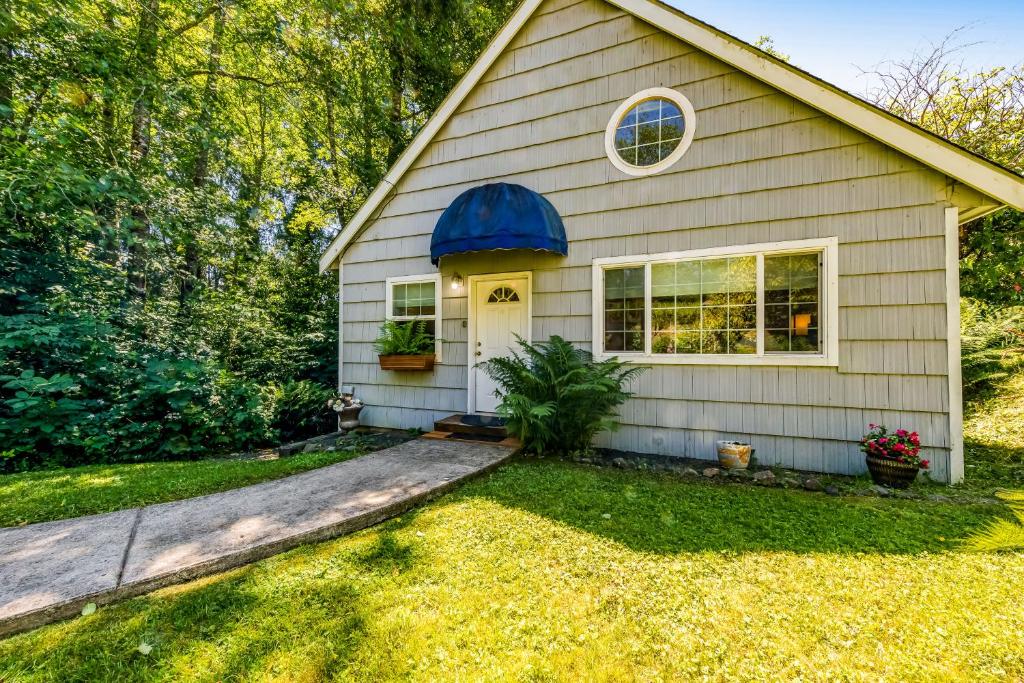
781 254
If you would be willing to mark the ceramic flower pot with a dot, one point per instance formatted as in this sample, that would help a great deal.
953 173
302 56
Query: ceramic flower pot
891 473
734 455
348 417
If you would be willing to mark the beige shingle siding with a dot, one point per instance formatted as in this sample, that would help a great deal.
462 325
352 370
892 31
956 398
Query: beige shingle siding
762 167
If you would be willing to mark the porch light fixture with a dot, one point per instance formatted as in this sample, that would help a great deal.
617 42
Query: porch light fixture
456 281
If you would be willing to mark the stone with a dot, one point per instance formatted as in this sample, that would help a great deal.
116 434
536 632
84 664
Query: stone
813 484
764 477
832 490
938 498
311 448
791 483
908 495
867 493
689 472
881 490
620 463
711 472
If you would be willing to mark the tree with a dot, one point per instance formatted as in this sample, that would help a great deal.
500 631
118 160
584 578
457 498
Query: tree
982 112
170 171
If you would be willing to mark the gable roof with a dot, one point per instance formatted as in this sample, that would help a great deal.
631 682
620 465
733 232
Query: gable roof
973 170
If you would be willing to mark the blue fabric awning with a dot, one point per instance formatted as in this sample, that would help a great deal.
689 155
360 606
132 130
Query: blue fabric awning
498 216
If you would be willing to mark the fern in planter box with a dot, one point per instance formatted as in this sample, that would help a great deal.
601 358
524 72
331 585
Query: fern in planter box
405 346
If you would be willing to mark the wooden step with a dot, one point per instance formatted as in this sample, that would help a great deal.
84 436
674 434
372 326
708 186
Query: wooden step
509 441
480 425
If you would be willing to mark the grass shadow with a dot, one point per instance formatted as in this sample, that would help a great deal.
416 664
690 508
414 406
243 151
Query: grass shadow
387 554
663 514
292 611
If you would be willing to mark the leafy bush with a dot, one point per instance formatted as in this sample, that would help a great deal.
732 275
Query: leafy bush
83 381
557 397
301 411
404 339
991 342
1002 534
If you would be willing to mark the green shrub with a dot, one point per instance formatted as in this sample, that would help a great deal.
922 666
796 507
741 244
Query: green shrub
404 339
556 397
991 342
1002 534
301 411
83 381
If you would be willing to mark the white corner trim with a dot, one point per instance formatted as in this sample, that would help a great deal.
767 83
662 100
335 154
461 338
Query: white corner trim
438 304
341 327
465 85
956 400
689 126
829 248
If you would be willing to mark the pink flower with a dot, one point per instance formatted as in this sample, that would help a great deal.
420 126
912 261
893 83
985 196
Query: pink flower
901 432
883 440
924 464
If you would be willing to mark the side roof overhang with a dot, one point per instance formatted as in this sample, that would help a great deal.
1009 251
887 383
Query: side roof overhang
987 177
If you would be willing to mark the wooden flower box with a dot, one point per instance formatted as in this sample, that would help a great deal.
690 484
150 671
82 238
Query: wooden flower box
406 363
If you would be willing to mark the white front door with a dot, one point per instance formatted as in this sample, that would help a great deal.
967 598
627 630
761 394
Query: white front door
501 310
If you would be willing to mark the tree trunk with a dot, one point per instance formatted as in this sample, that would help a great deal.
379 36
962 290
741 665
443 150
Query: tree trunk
6 56
201 164
332 148
396 137
147 47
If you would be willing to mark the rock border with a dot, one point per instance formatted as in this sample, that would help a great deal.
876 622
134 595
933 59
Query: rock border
773 477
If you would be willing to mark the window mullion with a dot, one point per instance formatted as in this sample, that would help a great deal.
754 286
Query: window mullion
648 332
760 304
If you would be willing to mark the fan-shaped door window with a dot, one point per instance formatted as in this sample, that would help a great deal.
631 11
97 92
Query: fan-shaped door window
503 295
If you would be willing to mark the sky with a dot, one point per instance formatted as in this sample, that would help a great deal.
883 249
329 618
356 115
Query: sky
832 38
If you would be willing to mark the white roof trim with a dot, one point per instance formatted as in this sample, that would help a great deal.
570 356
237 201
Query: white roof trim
939 154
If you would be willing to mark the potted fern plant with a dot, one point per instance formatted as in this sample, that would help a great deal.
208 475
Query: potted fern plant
405 346
556 397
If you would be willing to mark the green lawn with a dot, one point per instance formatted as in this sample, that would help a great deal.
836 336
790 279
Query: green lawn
57 494
994 437
552 571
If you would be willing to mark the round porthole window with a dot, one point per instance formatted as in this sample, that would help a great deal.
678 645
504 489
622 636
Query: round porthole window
650 131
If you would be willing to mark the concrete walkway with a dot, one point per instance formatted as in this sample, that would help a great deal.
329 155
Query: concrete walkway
50 571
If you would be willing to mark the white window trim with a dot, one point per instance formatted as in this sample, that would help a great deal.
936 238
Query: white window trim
438 302
829 327
689 120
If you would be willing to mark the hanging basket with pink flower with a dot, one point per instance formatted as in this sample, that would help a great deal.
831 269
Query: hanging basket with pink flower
893 458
